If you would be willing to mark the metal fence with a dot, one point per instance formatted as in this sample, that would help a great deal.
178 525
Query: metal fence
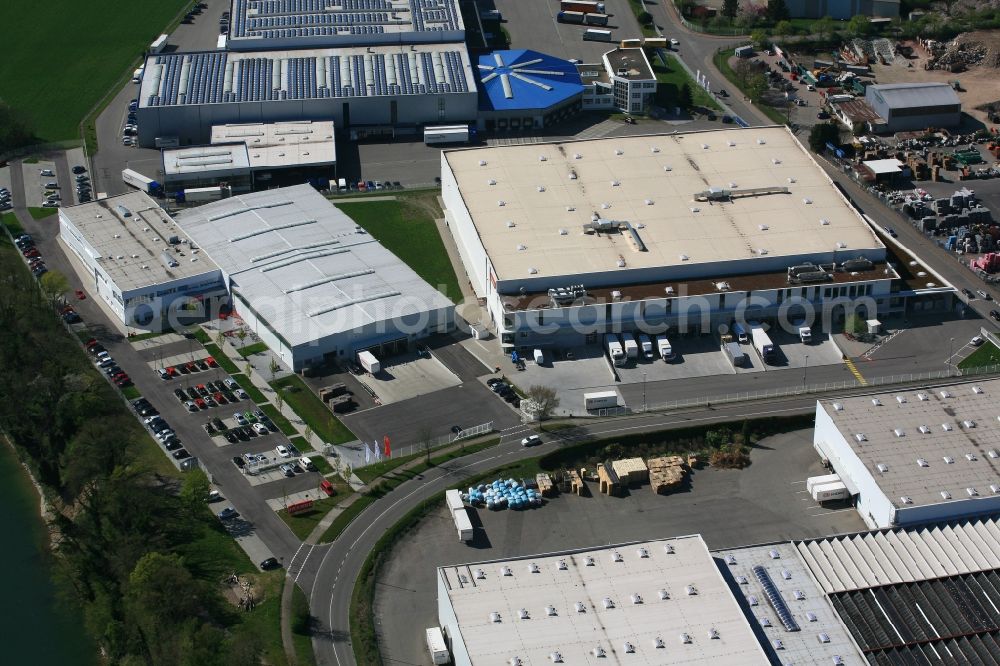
435 443
811 389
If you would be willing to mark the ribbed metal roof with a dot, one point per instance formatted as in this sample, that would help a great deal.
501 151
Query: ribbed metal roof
891 557
914 95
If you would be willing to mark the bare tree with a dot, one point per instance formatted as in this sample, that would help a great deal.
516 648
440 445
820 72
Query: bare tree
273 367
544 399
426 443
308 434
248 369
279 400
241 333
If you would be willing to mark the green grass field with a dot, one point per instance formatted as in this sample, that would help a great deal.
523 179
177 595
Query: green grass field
59 58
406 227
311 409
220 358
302 524
42 213
671 77
250 350
984 356
9 220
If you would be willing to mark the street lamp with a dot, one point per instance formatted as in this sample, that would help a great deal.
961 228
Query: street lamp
644 392
951 348
805 370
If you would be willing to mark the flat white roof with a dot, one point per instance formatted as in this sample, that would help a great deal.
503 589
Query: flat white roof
130 248
305 267
954 430
880 167
605 581
529 203
807 605
284 144
195 160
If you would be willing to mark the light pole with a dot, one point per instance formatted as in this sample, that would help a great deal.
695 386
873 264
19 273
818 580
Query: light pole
644 393
951 348
805 370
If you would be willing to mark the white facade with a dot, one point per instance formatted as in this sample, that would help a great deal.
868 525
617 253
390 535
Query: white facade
632 79
141 264
915 457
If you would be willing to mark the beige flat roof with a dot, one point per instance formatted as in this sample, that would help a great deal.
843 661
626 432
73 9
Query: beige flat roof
657 178
283 144
130 248
638 621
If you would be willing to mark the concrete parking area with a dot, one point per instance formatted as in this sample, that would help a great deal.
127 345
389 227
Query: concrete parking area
36 185
408 376
793 353
763 503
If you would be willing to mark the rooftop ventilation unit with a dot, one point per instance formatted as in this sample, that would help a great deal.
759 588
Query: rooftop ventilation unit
516 661
742 580
168 260
876 402
945 495
495 617
636 599
664 595
922 462
608 603
533 568
579 607
691 590
550 611
906 499
505 571
642 553
777 644
882 467
658 643
589 561
993 453
685 638
482 163
773 554
752 600
807 201
556 658
995 489
713 633
730 559
491 181
617 557
824 222
765 621
838 407
946 427
760 141
722 286
598 652
861 437
977 390
899 432
668 168
562 566
669 548
824 638
123 211
480 574
577 156
523 614
786 574
901 399
799 595
969 424
972 492
944 394
948 460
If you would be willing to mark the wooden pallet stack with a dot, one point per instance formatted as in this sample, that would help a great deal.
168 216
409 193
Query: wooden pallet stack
666 473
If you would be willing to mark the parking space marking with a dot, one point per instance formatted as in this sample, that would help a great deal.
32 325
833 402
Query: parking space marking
854 371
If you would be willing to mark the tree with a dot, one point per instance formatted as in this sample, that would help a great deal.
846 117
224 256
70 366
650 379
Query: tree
645 18
686 100
947 4
743 71
248 369
279 400
777 10
759 38
54 285
273 366
756 86
860 25
308 434
426 443
730 8
545 400
824 27
241 333
821 135
220 338
855 324
194 489
784 28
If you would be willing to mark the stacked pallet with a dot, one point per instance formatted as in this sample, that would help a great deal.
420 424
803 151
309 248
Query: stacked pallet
631 471
575 483
666 473
545 485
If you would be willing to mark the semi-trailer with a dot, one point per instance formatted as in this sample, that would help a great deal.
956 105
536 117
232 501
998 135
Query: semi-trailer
630 345
597 35
600 400
664 347
735 354
646 345
570 17
583 6
137 180
367 360
615 350
762 343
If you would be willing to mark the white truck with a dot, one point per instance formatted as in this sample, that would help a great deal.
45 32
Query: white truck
762 343
830 492
437 647
805 334
663 346
597 35
630 345
647 346
196 194
600 400
137 180
137 74
539 357
453 498
437 134
159 44
367 360
615 350
820 480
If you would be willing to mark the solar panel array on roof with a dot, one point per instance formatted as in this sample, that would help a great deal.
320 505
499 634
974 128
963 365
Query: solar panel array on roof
211 78
949 621
272 19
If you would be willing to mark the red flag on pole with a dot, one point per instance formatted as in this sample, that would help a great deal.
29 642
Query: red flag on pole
388 450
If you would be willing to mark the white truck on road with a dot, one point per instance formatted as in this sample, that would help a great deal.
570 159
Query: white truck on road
647 346
615 350
631 347
663 346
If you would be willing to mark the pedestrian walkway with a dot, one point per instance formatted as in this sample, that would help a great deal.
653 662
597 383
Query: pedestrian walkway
157 341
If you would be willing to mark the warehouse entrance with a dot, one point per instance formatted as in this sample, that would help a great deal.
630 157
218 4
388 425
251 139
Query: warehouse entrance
386 349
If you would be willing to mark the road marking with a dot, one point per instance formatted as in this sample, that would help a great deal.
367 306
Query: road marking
302 567
854 371
795 482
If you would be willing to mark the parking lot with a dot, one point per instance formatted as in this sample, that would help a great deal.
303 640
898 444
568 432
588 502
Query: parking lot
763 503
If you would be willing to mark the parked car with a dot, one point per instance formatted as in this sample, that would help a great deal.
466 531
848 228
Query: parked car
270 563
260 429
230 437
239 462
985 295
240 419
995 314
231 383
976 341
191 406
217 422
164 375
282 451
227 513
79 169
79 294
531 440
287 470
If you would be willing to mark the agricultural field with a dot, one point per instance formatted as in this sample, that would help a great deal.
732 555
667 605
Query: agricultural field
59 58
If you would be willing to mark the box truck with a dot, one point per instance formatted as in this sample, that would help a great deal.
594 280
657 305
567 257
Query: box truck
820 480
570 17
597 35
137 74
663 346
762 343
446 134
647 346
830 492
462 524
437 647
600 400
630 345
583 6
596 19
615 351
367 360
137 180
735 354
805 334
539 357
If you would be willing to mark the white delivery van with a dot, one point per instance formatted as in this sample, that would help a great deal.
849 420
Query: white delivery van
539 357
631 348
664 347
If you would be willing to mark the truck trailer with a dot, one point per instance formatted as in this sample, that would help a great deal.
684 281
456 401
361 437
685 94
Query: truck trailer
463 525
196 194
664 347
137 180
570 17
437 647
367 360
630 345
734 354
596 19
830 492
615 350
597 35
600 400
762 343
582 6
439 134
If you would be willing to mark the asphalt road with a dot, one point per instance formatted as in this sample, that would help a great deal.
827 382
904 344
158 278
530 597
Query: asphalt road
257 516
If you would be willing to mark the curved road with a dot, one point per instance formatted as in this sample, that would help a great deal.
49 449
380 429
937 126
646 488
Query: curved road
334 568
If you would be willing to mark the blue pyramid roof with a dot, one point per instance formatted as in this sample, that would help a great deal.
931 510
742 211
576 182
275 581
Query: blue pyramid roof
525 79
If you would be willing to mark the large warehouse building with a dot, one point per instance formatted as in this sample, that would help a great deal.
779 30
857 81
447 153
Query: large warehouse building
914 106
660 602
277 24
566 241
182 95
311 283
138 260
523 89
913 457
243 153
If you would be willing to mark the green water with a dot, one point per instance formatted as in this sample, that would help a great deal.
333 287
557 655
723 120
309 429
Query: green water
36 625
